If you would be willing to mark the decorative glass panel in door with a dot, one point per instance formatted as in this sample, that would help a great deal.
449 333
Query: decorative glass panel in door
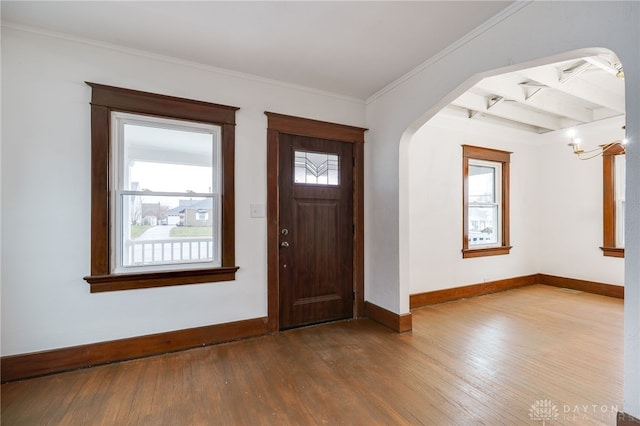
316 168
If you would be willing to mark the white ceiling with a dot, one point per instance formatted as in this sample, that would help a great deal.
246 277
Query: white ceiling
349 48
353 49
548 98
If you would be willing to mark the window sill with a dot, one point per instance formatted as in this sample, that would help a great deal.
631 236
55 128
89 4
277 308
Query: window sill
491 251
116 282
612 251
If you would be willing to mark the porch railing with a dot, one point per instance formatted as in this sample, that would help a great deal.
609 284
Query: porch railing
170 250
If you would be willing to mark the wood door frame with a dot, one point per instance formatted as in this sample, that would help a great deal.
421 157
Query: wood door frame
286 124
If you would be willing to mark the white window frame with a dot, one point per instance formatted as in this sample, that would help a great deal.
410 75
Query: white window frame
118 175
497 187
619 162
475 154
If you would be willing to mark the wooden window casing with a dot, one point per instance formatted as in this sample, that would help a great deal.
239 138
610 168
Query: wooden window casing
609 227
486 154
106 99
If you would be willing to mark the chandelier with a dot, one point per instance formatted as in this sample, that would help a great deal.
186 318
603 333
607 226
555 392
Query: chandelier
574 143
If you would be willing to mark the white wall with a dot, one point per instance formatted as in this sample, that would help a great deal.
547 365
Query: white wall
45 169
46 194
435 192
571 207
509 43
535 33
556 205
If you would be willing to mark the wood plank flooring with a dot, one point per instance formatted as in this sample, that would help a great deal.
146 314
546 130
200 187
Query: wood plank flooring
483 361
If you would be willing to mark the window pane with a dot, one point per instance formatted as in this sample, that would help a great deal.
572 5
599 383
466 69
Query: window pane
316 168
619 182
482 187
169 230
163 167
619 176
168 160
620 224
483 225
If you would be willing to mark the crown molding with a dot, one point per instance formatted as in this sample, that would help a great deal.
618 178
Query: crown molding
173 60
484 27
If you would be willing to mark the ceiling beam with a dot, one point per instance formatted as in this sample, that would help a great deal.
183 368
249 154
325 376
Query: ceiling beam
576 87
530 89
605 65
493 101
572 109
574 71
458 112
508 110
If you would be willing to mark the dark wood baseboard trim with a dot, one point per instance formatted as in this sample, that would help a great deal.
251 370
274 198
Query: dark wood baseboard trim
16 367
582 285
449 294
396 322
24 366
624 419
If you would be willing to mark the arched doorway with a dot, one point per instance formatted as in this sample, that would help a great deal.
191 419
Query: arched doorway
529 113
556 197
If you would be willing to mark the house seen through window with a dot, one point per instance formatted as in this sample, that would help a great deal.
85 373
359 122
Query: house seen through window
167 207
162 190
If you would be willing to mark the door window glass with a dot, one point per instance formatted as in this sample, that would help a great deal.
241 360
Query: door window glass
316 168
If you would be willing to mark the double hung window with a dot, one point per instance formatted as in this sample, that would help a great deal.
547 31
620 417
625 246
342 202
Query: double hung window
167 175
485 202
162 183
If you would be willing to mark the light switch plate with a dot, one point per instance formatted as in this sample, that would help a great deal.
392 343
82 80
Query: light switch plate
258 210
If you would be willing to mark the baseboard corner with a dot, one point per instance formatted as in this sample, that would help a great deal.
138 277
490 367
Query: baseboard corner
400 323
593 287
450 294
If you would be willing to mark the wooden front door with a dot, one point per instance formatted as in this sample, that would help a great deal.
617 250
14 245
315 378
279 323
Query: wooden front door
316 230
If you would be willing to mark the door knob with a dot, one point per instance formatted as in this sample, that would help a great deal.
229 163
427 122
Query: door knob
284 244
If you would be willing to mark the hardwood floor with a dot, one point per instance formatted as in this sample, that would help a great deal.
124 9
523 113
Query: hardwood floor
486 360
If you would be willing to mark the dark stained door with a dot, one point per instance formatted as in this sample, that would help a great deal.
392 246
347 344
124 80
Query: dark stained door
316 230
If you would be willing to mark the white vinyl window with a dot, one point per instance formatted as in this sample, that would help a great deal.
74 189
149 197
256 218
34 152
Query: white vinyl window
166 207
484 203
619 182
485 212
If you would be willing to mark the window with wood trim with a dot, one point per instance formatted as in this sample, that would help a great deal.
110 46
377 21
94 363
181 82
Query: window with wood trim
613 187
485 202
162 183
